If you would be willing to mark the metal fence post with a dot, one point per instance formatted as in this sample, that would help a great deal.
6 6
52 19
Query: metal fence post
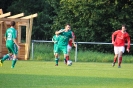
76 52
32 51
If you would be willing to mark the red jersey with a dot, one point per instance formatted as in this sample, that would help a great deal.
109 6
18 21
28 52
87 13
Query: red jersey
120 38
70 41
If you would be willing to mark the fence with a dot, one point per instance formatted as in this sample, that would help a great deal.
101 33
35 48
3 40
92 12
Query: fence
76 52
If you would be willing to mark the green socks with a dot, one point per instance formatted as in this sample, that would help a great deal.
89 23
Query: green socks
5 57
56 61
65 61
13 62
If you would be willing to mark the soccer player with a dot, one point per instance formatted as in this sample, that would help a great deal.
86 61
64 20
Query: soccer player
11 45
55 40
65 35
69 46
119 38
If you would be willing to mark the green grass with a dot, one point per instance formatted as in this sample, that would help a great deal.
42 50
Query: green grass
42 74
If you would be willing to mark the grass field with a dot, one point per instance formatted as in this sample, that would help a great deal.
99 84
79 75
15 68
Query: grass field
41 74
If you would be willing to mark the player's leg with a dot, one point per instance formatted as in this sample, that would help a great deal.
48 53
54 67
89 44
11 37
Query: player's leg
6 56
56 59
65 56
68 52
115 58
15 52
119 59
14 60
121 51
116 51
64 49
65 61
56 54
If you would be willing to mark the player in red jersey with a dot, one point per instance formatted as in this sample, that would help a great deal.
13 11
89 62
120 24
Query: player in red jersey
69 46
119 38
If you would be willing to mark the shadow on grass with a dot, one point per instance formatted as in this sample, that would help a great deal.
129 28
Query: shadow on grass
47 81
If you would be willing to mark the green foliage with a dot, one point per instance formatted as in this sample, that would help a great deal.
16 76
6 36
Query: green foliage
91 20
44 21
4 4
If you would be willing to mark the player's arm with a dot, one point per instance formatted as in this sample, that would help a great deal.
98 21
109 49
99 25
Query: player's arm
15 39
5 36
53 40
73 39
60 31
128 43
73 42
113 36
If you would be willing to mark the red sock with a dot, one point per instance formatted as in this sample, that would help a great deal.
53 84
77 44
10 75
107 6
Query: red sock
67 58
120 60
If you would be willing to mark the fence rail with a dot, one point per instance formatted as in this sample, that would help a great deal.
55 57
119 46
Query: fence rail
43 41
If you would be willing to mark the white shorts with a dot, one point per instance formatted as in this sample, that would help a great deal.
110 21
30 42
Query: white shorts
68 48
118 49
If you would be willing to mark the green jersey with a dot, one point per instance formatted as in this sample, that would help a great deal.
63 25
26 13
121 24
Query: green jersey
10 35
64 38
55 39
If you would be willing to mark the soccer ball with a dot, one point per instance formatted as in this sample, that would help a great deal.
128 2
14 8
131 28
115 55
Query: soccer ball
69 63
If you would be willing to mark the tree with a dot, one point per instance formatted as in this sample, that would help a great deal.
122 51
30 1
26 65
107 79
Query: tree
94 20
42 24
91 20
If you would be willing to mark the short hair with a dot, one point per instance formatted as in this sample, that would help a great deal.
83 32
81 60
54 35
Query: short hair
56 31
67 24
124 25
12 23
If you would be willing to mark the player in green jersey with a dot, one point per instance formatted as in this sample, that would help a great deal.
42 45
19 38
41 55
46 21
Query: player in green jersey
11 44
55 40
65 35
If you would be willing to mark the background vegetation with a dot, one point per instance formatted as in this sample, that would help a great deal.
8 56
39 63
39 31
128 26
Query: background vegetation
91 20
83 55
